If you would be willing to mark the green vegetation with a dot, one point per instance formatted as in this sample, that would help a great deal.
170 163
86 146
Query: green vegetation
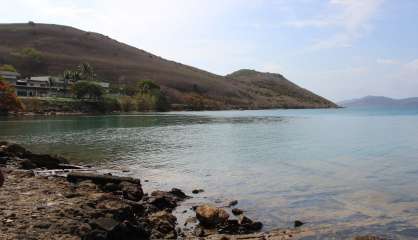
90 90
8 68
31 54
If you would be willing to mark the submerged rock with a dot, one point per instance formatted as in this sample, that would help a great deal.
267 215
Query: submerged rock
298 223
211 216
197 191
237 211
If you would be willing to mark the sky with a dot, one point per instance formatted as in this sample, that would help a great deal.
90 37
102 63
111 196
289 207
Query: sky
339 49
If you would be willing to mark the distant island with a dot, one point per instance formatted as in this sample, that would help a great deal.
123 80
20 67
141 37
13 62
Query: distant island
49 50
379 101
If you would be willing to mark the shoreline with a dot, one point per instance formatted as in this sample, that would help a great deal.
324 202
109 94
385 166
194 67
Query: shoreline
59 200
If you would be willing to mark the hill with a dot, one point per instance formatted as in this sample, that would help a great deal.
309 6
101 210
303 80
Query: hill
380 101
63 47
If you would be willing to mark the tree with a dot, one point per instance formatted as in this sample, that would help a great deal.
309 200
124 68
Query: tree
8 100
84 89
86 71
8 68
147 86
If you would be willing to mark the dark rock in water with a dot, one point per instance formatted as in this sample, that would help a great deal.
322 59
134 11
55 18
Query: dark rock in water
27 164
16 150
179 193
237 211
42 161
166 200
298 223
99 179
197 191
210 216
230 227
244 220
233 203
131 191
255 226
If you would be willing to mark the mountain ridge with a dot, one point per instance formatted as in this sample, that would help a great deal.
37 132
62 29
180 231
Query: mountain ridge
380 101
64 47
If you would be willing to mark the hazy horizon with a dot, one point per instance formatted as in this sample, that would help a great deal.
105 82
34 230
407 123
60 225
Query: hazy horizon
339 49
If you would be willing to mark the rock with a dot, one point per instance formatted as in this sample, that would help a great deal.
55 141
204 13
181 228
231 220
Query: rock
96 234
199 232
368 237
119 209
197 191
27 164
84 229
163 224
131 191
190 221
210 216
110 187
44 160
242 220
237 211
15 150
42 225
87 184
298 223
129 231
232 203
104 223
178 193
100 179
166 200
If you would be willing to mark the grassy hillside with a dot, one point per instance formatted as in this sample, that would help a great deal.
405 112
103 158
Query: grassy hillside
62 47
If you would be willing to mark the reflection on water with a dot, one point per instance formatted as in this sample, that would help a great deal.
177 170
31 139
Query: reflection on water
342 168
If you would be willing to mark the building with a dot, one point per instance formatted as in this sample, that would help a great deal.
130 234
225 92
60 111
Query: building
10 77
42 86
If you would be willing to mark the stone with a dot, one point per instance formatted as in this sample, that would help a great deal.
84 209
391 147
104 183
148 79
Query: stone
129 231
243 220
178 193
100 179
210 216
197 191
166 200
104 223
368 237
131 191
237 211
164 223
232 203
298 223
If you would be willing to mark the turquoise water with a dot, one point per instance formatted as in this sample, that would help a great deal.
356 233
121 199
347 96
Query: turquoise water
353 169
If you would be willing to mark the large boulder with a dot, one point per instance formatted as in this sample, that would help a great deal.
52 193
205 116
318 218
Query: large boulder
211 216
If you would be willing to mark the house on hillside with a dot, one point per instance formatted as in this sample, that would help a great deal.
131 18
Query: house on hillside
43 86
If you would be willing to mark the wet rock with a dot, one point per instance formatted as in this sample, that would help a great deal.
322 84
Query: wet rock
129 231
96 234
42 225
100 179
199 232
233 203
15 150
163 225
131 191
120 210
166 200
298 223
368 237
110 187
210 216
237 211
104 223
242 220
197 191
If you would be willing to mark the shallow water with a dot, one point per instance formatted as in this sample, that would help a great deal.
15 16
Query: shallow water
346 168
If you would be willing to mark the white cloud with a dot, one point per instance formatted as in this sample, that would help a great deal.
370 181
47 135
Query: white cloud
387 61
350 18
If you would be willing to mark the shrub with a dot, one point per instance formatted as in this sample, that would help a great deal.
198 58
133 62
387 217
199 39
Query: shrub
110 104
83 89
8 100
8 68
127 104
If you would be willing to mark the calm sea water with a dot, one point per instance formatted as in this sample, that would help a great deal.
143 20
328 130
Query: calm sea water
349 170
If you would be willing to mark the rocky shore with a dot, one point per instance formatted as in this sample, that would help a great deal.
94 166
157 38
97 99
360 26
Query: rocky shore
44 197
